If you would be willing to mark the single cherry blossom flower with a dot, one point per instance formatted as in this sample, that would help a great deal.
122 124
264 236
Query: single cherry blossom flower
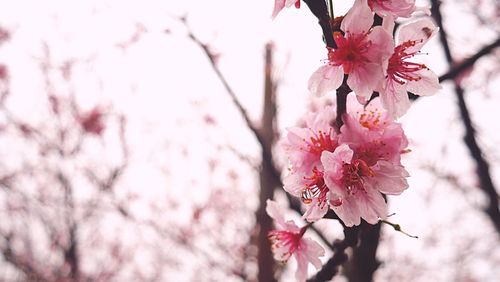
404 75
360 52
280 4
288 240
304 146
356 187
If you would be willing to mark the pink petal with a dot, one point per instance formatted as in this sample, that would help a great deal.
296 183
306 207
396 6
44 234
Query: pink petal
420 31
364 79
372 205
313 252
382 45
326 78
333 161
395 98
309 251
322 119
275 212
388 23
315 211
352 131
333 170
395 8
359 19
348 212
301 273
278 6
427 85
293 184
389 178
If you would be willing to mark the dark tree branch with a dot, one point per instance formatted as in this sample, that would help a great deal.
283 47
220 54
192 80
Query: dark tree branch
339 257
320 11
342 93
459 68
456 69
482 166
265 258
364 262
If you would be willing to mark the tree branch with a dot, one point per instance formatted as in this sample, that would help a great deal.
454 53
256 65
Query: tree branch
320 10
482 166
457 69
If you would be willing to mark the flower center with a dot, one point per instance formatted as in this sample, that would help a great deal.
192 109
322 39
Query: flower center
321 141
353 174
316 188
399 69
371 119
351 51
287 241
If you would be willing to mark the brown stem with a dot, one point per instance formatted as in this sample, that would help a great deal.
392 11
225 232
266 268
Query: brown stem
267 184
342 93
364 262
320 10
339 257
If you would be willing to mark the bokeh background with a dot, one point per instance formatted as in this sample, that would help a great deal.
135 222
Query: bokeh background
128 147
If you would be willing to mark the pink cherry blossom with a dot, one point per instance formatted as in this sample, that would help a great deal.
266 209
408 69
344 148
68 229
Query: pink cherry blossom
312 190
356 187
304 146
404 75
280 4
359 53
372 133
288 240
393 8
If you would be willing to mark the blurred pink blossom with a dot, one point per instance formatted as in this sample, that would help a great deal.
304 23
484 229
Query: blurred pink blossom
92 122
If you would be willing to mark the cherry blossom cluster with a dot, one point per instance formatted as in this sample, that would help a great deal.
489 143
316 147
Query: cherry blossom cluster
349 166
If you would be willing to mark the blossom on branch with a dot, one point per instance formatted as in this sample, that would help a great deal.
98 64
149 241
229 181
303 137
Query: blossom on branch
360 53
288 240
404 75
366 164
347 172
